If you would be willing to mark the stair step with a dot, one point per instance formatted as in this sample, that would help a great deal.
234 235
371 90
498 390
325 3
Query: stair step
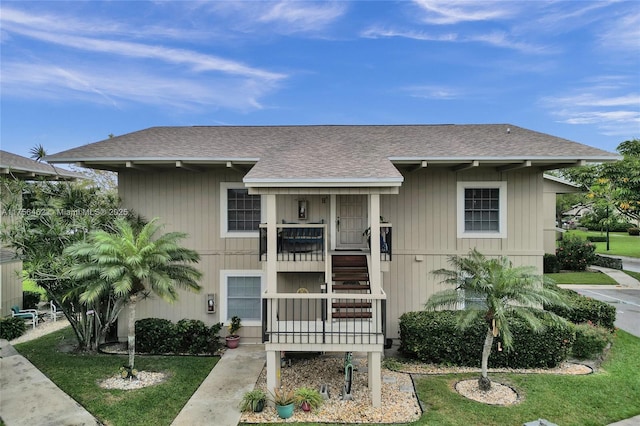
351 287
349 260
351 315
347 305
351 277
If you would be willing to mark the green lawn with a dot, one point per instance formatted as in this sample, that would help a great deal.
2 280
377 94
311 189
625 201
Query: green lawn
582 278
607 396
620 243
635 275
78 375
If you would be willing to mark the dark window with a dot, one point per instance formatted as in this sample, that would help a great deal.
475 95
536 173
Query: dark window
243 210
482 209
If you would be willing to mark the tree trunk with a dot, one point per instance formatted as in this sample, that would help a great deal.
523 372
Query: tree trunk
484 383
131 337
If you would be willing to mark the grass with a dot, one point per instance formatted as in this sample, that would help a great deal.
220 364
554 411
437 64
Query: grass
635 275
78 376
620 243
582 278
607 396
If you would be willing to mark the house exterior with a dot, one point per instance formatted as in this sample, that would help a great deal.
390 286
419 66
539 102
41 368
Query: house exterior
320 237
17 167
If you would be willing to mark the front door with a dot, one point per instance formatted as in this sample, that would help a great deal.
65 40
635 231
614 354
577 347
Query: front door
351 221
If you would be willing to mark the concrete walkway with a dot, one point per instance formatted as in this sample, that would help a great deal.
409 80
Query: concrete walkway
29 398
216 400
623 279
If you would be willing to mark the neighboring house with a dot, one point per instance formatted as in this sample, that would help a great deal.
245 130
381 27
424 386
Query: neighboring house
283 217
552 229
15 166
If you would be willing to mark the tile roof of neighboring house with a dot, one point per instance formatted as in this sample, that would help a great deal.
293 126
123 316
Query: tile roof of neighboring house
25 168
328 154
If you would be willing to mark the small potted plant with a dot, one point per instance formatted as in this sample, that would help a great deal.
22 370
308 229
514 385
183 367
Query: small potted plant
232 338
284 401
253 400
308 398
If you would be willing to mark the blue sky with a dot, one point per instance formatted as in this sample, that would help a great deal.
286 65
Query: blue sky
75 72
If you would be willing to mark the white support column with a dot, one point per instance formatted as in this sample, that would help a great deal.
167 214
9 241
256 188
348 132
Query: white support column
273 371
374 360
374 214
272 244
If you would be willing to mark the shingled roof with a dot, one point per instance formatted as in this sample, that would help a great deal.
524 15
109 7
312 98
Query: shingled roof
25 168
327 154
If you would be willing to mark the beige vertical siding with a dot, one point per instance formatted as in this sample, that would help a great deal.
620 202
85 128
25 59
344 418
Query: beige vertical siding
424 232
10 287
423 215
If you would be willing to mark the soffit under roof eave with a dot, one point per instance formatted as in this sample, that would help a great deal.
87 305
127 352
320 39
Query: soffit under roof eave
504 160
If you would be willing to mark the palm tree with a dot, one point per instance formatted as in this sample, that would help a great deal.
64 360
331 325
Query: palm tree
492 289
131 263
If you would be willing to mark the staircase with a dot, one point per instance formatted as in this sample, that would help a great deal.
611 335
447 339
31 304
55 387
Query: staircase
350 273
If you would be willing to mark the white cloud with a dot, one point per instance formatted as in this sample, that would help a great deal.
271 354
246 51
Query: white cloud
608 106
88 84
377 32
302 16
434 92
446 12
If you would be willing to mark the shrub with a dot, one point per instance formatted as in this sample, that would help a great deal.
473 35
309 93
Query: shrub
633 231
596 238
161 336
434 337
30 300
575 254
550 264
12 328
155 336
591 341
585 310
607 262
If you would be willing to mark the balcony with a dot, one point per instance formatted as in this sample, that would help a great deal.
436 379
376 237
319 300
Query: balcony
309 242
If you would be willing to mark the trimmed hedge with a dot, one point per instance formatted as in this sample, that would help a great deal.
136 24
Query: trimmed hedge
550 264
585 310
596 239
608 262
633 231
161 336
12 328
591 341
434 337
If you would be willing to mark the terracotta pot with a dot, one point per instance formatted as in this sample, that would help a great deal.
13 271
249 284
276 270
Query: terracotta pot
233 341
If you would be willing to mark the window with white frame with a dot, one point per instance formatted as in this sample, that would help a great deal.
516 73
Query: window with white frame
482 209
240 294
240 212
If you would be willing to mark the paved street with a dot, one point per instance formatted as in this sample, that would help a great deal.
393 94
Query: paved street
626 301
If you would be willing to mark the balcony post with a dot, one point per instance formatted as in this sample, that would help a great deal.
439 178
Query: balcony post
273 370
374 214
375 377
272 244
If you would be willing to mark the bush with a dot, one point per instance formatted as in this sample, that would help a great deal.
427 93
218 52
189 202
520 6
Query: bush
30 300
607 262
591 341
596 238
585 310
161 336
434 337
550 264
634 231
155 336
12 328
575 254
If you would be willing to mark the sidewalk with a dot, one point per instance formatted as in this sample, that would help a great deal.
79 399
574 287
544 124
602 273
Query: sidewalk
30 398
623 279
